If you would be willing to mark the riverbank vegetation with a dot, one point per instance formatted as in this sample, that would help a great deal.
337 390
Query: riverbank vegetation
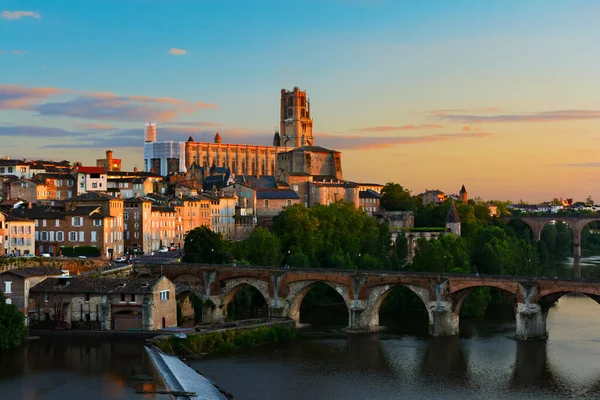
340 236
12 325
213 342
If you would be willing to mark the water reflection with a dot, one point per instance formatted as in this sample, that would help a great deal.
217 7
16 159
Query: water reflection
489 363
90 369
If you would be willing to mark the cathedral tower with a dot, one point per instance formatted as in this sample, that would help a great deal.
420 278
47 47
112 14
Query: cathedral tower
295 122
464 196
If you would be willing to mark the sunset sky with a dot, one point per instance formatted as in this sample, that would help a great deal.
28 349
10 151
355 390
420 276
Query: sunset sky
502 96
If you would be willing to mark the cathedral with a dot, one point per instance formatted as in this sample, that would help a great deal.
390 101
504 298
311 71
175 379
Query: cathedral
293 152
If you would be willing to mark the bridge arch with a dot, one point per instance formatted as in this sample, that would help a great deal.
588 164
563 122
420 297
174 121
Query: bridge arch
549 299
230 287
460 295
299 289
377 294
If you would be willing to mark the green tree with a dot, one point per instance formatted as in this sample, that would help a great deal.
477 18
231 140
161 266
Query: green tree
202 245
395 198
263 248
402 249
12 325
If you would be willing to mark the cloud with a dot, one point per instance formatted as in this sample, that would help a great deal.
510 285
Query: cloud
96 127
579 165
19 52
199 124
16 97
20 14
399 128
96 105
543 116
466 128
38 131
177 52
369 142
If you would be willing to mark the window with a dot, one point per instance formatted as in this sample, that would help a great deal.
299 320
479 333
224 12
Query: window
43 222
8 301
44 236
72 236
122 298
164 295
10 170
97 222
93 238
8 287
57 222
76 221
46 297
126 215
81 236
60 236
266 203
87 297
133 298
94 185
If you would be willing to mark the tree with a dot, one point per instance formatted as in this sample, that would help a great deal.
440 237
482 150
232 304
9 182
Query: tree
202 245
589 201
263 248
395 198
402 249
12 325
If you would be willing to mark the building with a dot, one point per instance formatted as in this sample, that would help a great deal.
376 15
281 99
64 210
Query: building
109 163
120 304
18 168
370 201
432 197
312 161
19 236
26 189
464 196
270 202
108 206
56 186
2 232
330 191
16 283
191 212
89 179
295 125
137 222
162 227
168 158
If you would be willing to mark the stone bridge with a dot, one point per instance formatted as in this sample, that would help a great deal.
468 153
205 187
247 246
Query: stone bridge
363 292
576 223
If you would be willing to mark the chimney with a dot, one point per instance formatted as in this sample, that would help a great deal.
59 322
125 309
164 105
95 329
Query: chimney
135 169
109 160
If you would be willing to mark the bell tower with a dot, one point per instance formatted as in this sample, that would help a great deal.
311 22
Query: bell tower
295 119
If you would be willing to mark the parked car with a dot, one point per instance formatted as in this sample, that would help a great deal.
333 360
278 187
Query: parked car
121 259
45 255
82 257
172 248
164 250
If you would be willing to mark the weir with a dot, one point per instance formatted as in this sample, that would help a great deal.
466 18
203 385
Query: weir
180 378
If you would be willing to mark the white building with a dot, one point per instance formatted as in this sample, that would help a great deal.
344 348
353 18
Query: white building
90 179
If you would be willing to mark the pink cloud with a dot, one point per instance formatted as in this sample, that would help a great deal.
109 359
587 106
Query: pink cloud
466 128
542 116
369 142
177 52
400 128
97 105
20 14
98 127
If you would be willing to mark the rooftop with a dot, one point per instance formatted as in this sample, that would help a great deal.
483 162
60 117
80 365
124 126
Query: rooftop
34 271
79 284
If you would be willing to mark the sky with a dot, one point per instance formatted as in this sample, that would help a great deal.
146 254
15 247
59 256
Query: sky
502 96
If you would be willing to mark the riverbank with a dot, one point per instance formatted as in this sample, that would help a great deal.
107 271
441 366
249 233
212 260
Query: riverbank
198 344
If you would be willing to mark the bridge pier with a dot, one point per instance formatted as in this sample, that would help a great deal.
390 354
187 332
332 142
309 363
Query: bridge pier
442 320
531 322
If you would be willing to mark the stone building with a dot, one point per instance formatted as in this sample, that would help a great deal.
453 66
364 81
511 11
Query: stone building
16 283
121 304
56 186
270 202
191 212
2 221
89 179
464 196
312 161
26 189
137 220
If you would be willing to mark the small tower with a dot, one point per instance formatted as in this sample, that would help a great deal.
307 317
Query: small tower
276 139
464 197
150 132
218 138
453 220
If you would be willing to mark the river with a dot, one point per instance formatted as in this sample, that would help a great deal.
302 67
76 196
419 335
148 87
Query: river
484 362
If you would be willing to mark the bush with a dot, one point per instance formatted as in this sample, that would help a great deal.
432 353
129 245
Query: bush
12 325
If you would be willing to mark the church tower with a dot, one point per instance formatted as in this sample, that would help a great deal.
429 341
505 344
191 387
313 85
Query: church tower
453 220
464 197
295 119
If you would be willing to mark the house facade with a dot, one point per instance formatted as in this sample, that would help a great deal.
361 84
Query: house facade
120 304
90 179
19 236
16 283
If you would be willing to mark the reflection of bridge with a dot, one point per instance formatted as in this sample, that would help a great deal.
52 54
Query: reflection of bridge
364 291
537 223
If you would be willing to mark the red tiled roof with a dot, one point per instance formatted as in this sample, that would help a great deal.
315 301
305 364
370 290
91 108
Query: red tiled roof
91 170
